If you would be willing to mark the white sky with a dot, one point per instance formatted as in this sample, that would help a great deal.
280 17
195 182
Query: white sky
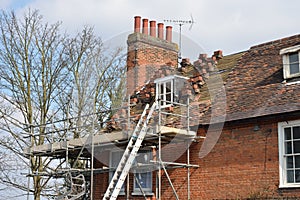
230 25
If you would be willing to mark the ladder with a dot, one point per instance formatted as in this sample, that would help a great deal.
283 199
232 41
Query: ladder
129 155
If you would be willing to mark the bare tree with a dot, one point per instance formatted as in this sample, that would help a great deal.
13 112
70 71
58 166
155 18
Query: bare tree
96 72
47 76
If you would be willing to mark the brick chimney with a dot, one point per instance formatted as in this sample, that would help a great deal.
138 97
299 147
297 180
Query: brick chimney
148 52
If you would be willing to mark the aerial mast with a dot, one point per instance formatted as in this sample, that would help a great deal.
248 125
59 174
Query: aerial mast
180 23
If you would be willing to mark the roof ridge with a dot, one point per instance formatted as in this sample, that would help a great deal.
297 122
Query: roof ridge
265 44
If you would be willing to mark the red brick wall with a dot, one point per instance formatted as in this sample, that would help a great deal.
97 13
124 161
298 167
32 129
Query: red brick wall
243 164
145 55
100 180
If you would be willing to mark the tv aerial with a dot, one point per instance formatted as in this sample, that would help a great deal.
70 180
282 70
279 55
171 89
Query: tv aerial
180 23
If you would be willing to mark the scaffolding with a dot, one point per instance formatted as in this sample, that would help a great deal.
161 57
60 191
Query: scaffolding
75 157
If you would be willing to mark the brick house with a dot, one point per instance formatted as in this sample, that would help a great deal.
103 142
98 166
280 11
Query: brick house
259 123
245 117
256 154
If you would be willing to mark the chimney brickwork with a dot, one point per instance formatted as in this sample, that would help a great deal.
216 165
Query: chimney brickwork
148 52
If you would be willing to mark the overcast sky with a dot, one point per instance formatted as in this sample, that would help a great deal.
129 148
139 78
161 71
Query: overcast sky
229 25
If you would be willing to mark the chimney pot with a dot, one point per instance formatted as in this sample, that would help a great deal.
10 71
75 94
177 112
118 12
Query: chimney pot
137 24
169 33
160 30
153 28
145 26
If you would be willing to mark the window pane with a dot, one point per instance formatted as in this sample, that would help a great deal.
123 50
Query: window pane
296 146
144 180
288 147
143 157
143 175
168 91
294 63
290 176
297 161
293 57
289 162
287 133
294 68
297 176
168 85
296 132
115 159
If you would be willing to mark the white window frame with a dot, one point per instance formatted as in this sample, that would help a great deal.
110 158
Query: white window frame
282 157
136 188
111 172
162 89
286 63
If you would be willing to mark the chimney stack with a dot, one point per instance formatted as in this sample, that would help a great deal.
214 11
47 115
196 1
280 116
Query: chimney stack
153 28
160 30
144 42
169 33
145 26
137 24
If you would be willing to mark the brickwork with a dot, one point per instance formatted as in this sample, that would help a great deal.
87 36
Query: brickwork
144 53
243 165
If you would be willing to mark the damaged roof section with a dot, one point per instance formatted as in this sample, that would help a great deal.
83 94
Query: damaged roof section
204 79
252 80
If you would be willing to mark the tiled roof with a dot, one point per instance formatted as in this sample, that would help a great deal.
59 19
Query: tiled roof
255 87
238 86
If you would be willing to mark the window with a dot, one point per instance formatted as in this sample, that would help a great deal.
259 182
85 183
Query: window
164 92
142 177
291 64
143 173
168 89
115 157
294 63
289 153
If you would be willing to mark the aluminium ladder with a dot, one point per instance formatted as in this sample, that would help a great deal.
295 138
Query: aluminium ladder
129 155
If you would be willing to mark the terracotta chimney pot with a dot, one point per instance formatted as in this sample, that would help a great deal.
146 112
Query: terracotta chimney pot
145 26
160 30
153 28
169 33
137 24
